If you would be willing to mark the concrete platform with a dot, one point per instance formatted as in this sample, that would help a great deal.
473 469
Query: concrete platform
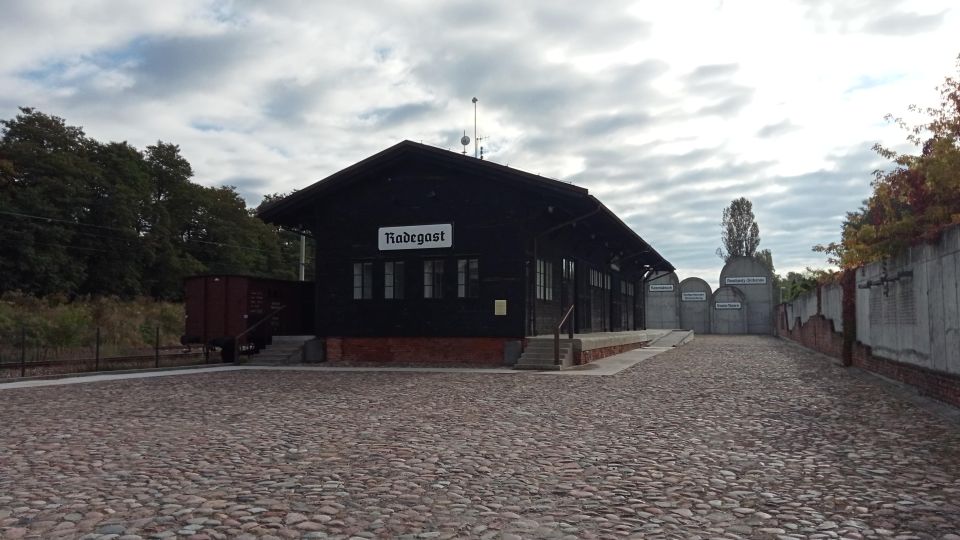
583 348
600 340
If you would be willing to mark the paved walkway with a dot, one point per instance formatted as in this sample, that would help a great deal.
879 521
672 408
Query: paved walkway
722 438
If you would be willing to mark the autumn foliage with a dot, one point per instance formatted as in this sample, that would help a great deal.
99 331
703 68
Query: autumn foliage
915 199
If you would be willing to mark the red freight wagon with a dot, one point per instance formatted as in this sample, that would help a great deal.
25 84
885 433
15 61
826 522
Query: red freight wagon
226 306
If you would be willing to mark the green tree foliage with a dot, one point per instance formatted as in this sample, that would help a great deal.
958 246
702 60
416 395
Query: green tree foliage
798 283
289 243
739 231
741 236
917 197
47 170
766 258
82 217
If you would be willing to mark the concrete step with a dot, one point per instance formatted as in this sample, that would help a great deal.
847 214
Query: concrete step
538 367
291 339
283 350
539 356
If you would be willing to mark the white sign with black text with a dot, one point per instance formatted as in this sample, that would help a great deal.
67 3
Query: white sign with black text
693 297
661 288
727 305
758 280
415 237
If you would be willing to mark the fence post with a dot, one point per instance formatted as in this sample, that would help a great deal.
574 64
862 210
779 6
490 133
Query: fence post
96 362
23 351
156 348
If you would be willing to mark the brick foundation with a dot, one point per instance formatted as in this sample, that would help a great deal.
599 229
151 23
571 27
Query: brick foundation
417 350
818 334
585 357
935 384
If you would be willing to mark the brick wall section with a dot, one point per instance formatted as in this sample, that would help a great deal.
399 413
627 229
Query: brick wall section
413 350
585 357
935 384
818 334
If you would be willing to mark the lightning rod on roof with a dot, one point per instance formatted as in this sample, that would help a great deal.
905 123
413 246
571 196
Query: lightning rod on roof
475 127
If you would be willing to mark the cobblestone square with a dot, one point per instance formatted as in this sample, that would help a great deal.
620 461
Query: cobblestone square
726 437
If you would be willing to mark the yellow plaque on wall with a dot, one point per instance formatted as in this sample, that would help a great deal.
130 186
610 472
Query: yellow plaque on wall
499 307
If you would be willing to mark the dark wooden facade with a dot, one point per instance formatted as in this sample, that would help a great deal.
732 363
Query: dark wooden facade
512 223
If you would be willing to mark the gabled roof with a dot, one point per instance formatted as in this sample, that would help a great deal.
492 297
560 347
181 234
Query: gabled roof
287 211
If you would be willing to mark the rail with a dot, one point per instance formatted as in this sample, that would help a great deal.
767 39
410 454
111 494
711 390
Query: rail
556 334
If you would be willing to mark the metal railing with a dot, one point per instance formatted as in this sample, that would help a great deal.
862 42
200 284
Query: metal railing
236 339
556 334
27 352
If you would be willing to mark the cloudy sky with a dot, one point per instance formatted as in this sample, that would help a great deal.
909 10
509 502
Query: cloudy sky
664 110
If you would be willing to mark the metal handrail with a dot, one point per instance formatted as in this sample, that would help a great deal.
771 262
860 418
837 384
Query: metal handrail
236 339
556 334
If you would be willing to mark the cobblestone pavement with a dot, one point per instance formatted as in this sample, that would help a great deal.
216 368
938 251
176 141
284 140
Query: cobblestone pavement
737 437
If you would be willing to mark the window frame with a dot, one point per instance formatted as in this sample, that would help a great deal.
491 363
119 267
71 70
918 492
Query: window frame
394 273
544 280
436 278
363 280
468 277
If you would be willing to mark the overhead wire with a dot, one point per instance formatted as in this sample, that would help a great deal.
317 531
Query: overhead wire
50 220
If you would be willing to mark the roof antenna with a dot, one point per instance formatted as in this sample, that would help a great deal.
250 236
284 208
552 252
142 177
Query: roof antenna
464 141
475 127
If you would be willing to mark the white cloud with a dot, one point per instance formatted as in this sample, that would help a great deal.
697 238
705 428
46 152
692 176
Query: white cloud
665 111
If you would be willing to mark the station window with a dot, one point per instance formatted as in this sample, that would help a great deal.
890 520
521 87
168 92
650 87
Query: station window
393 280
600 280
468 278
544 280
568 269
433 279
627 302
362 280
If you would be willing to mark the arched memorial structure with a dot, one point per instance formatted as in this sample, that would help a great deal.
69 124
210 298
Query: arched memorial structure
662 300
755 282
729 311
695 307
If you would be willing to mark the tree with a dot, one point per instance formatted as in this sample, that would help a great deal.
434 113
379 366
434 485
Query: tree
84 217
289 242
46 174
120 194
739 232
766 258
916 199
173 204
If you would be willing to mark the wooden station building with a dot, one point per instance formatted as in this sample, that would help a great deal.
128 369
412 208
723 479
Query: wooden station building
423 254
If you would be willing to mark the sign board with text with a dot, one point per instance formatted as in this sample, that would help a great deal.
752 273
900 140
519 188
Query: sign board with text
746 280
415 237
